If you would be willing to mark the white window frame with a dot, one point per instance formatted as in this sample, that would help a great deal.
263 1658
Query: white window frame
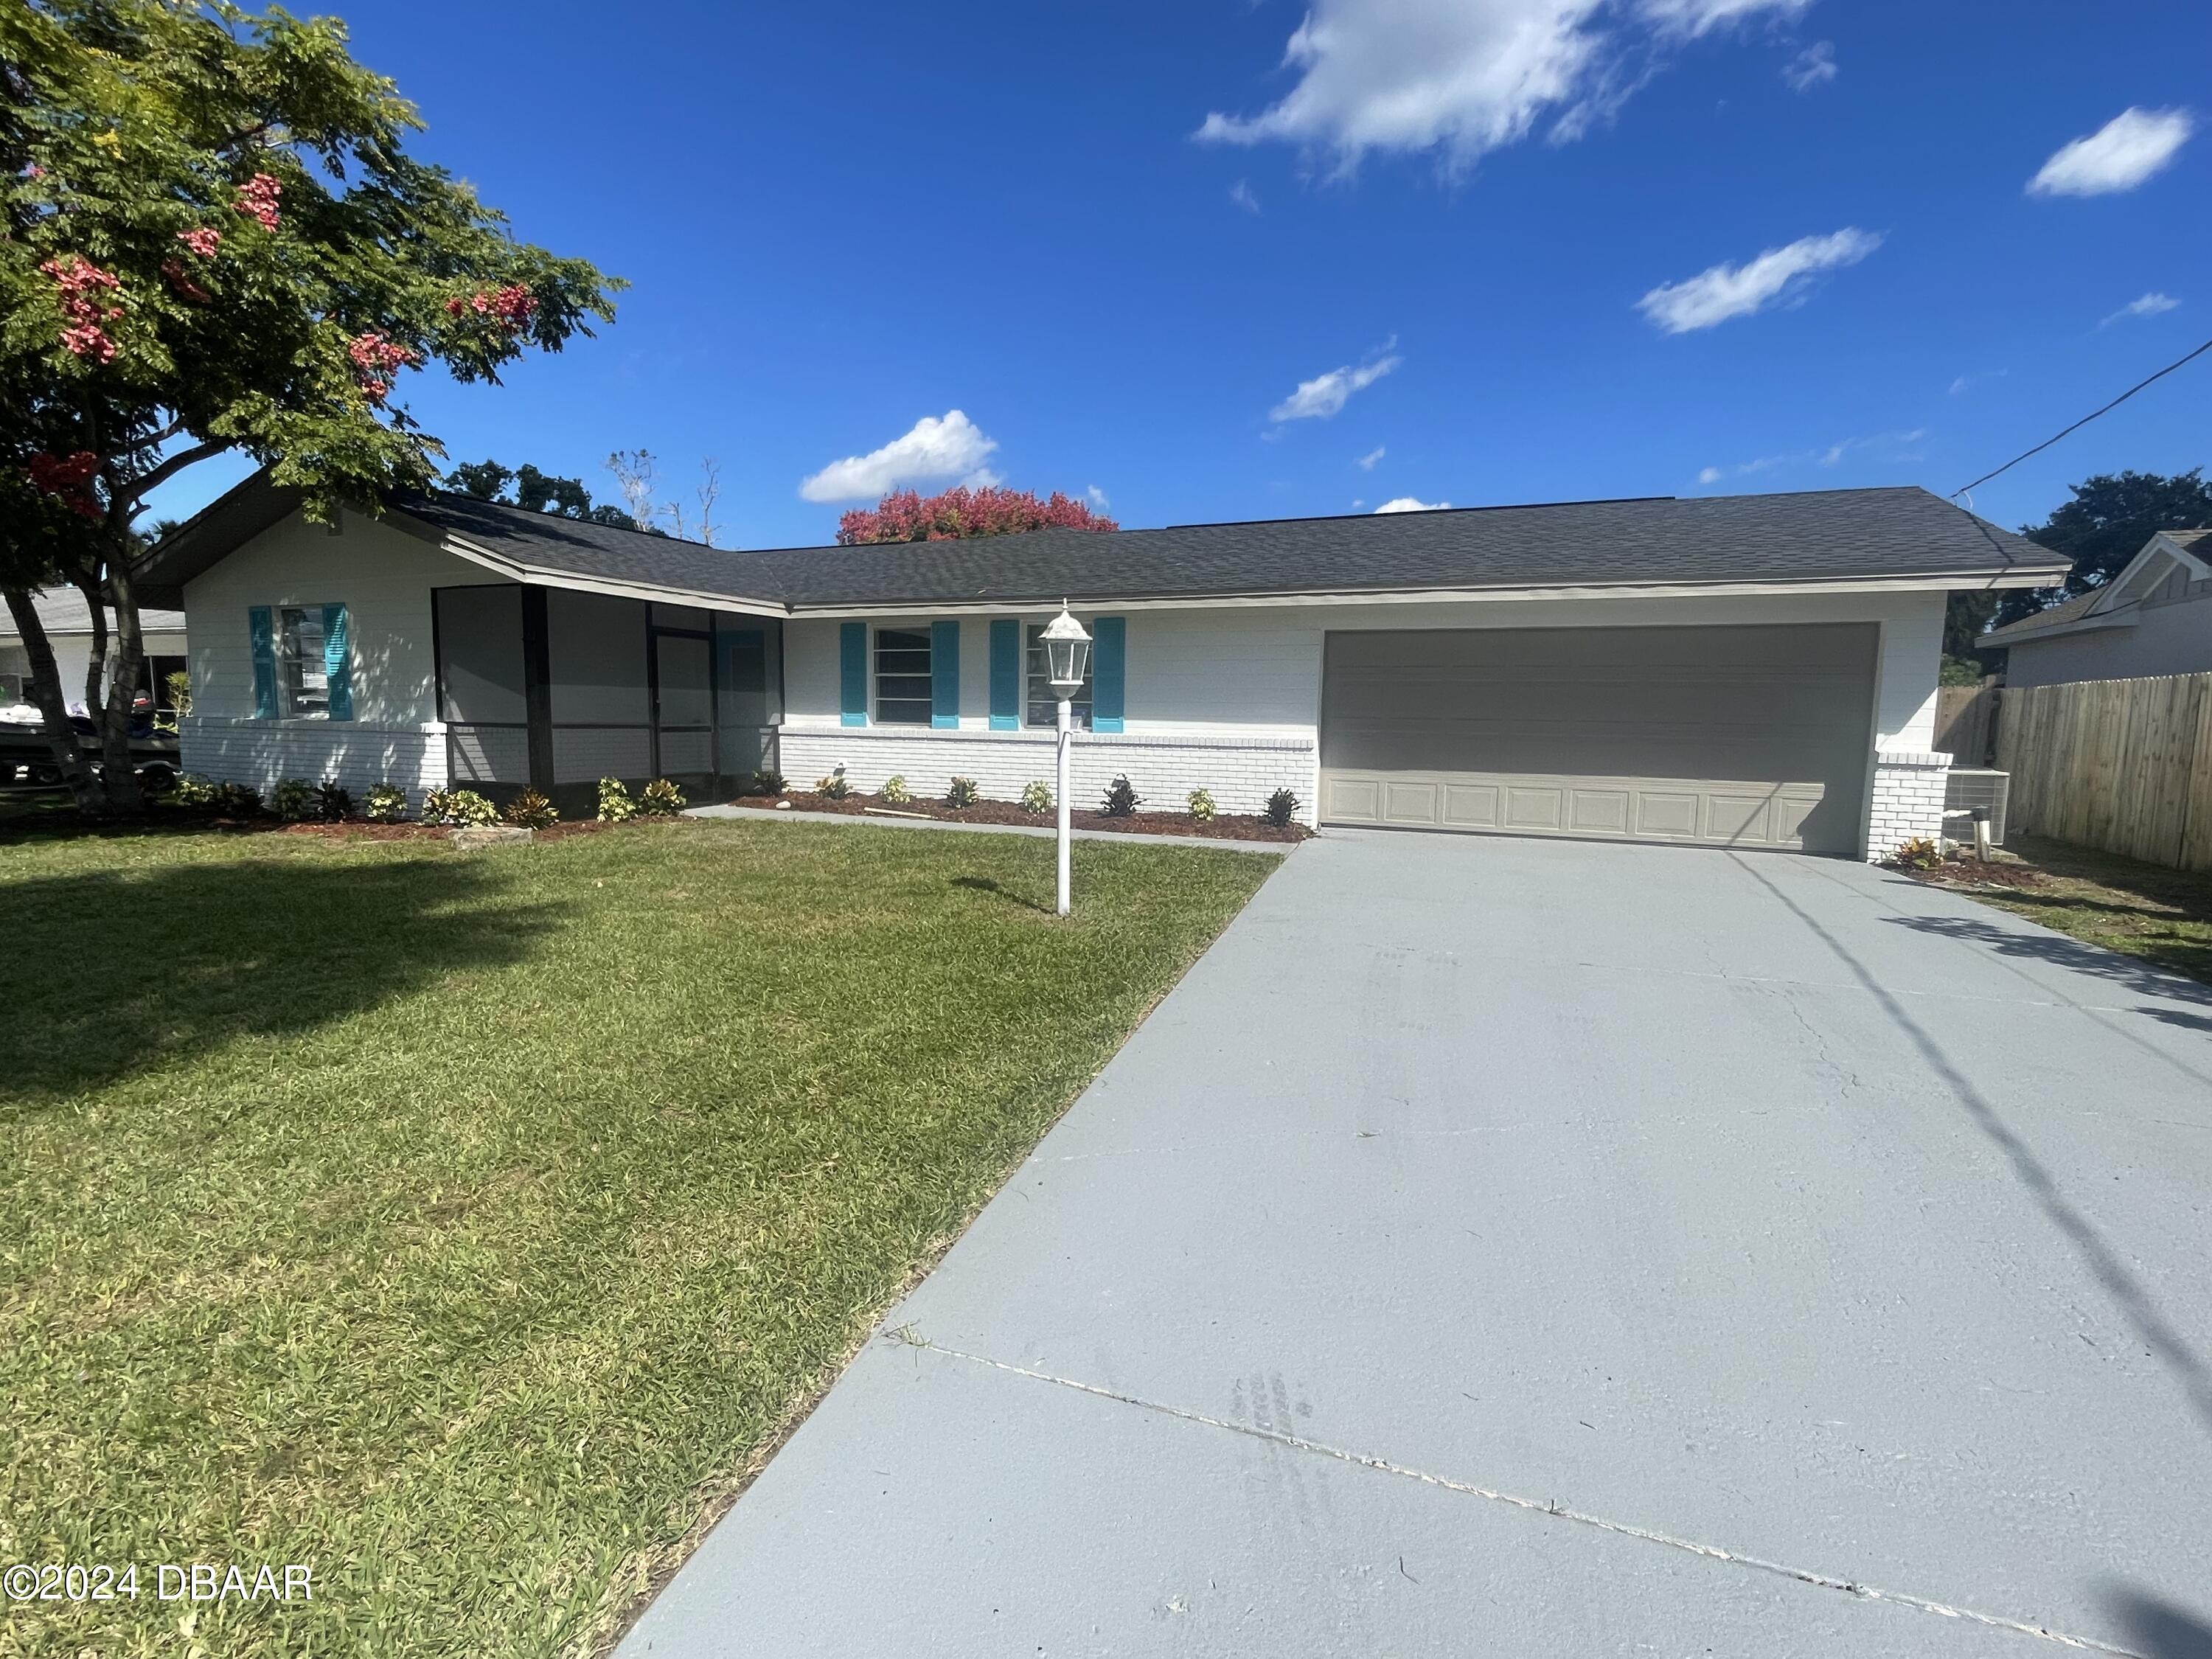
285 653
1037 672
927 700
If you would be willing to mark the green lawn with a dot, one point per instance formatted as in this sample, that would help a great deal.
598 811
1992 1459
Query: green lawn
464 1224
2146 910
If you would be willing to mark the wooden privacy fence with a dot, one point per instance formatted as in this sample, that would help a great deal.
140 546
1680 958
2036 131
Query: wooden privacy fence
2125 765
1966 723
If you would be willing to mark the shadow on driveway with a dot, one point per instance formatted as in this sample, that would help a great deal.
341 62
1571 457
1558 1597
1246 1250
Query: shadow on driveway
2188 1367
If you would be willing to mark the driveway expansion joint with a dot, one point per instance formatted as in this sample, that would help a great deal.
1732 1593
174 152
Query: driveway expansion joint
908 1336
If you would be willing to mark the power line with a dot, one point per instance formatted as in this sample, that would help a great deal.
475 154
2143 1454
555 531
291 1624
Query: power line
2083 422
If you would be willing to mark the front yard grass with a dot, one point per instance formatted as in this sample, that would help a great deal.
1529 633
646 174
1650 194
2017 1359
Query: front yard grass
2146 910
463 1224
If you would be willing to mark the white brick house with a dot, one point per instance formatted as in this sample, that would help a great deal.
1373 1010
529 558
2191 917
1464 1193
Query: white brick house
1740 671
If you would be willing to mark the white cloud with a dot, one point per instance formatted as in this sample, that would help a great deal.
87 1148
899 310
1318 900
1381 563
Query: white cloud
1813 67
2151 304
1321 397
2119 155
1366 462
952 448
1965 382
1408 504
1713 296
1098 498
1241 193
1466 76
1895 446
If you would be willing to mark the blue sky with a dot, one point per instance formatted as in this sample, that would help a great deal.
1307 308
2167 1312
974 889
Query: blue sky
1498 249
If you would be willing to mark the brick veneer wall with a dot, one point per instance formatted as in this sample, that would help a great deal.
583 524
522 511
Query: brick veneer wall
1240 773
352 753
1908 798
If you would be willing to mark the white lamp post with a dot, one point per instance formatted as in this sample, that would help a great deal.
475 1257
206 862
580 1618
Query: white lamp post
1066 653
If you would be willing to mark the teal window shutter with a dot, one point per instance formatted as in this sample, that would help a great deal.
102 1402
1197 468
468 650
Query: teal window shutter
1005 674
261 628
1109 654
945 676
337 661
853 674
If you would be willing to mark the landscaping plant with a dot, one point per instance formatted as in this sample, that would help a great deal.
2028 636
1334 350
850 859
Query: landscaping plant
530 810
896 792
768 781
1036 796
217 245
1201 806
238 800
385 803
293 799
1918 854
333 802
660 799
963 792
1282 807
1121 797
833 787
195 794
615 803
462 809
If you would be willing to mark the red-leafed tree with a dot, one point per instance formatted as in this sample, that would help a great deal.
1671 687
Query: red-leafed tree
904 515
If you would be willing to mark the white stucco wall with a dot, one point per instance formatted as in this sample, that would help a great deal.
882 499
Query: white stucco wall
383 576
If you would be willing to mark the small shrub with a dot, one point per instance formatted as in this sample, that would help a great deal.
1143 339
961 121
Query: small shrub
195 794
615 803
294 799
1282 807
1201 806
385 804
660 799
1121 797
1917 853
768 782
333 802
238 800
964 792
462 809
896 792
833 787
532 811
1036 796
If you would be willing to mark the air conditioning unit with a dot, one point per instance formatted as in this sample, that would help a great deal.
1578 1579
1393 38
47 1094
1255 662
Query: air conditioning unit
1970 792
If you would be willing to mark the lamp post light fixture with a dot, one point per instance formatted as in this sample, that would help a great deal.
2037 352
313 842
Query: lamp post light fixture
1066 654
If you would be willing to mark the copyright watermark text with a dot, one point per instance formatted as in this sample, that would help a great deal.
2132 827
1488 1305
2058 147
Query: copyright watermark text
165 1581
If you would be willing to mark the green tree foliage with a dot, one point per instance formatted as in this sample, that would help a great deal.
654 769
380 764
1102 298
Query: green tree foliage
2105 524
540 492
215 241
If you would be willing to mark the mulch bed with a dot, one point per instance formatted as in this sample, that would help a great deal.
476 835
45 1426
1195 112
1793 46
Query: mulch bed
1223 826
362 830
1971 873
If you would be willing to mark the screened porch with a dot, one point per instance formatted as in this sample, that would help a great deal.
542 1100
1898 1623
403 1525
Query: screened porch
552 689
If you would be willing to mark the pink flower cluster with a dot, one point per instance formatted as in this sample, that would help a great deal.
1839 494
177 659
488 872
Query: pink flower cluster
180 280
906 516
257 199
378 358
70 478
512 306
202 240
83 285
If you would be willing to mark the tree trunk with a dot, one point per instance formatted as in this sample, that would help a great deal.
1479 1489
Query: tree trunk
88 585
118 775
53 708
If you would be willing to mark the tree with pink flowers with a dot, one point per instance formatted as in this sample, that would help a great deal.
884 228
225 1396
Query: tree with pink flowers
215 242
905 515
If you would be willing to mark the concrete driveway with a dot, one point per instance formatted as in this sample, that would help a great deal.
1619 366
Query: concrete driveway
1515 1247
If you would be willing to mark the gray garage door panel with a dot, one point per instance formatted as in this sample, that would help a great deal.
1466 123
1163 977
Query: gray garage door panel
1712 736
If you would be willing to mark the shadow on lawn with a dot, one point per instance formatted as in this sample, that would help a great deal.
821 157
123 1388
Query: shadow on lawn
119 973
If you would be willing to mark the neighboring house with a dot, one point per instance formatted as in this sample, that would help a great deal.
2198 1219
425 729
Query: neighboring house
1755 670
2154 617
68 623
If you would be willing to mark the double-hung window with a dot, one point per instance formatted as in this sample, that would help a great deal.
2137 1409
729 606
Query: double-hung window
303 675
903 676
1043 702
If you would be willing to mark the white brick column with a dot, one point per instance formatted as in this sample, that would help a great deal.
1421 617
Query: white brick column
1907 800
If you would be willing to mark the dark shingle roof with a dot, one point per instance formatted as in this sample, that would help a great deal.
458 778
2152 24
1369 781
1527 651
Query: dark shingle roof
2056 616
1817 536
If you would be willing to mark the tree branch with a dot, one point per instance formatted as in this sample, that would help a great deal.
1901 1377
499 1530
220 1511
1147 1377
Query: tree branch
146 482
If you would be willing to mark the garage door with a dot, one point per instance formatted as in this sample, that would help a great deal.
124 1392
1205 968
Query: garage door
1731 737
